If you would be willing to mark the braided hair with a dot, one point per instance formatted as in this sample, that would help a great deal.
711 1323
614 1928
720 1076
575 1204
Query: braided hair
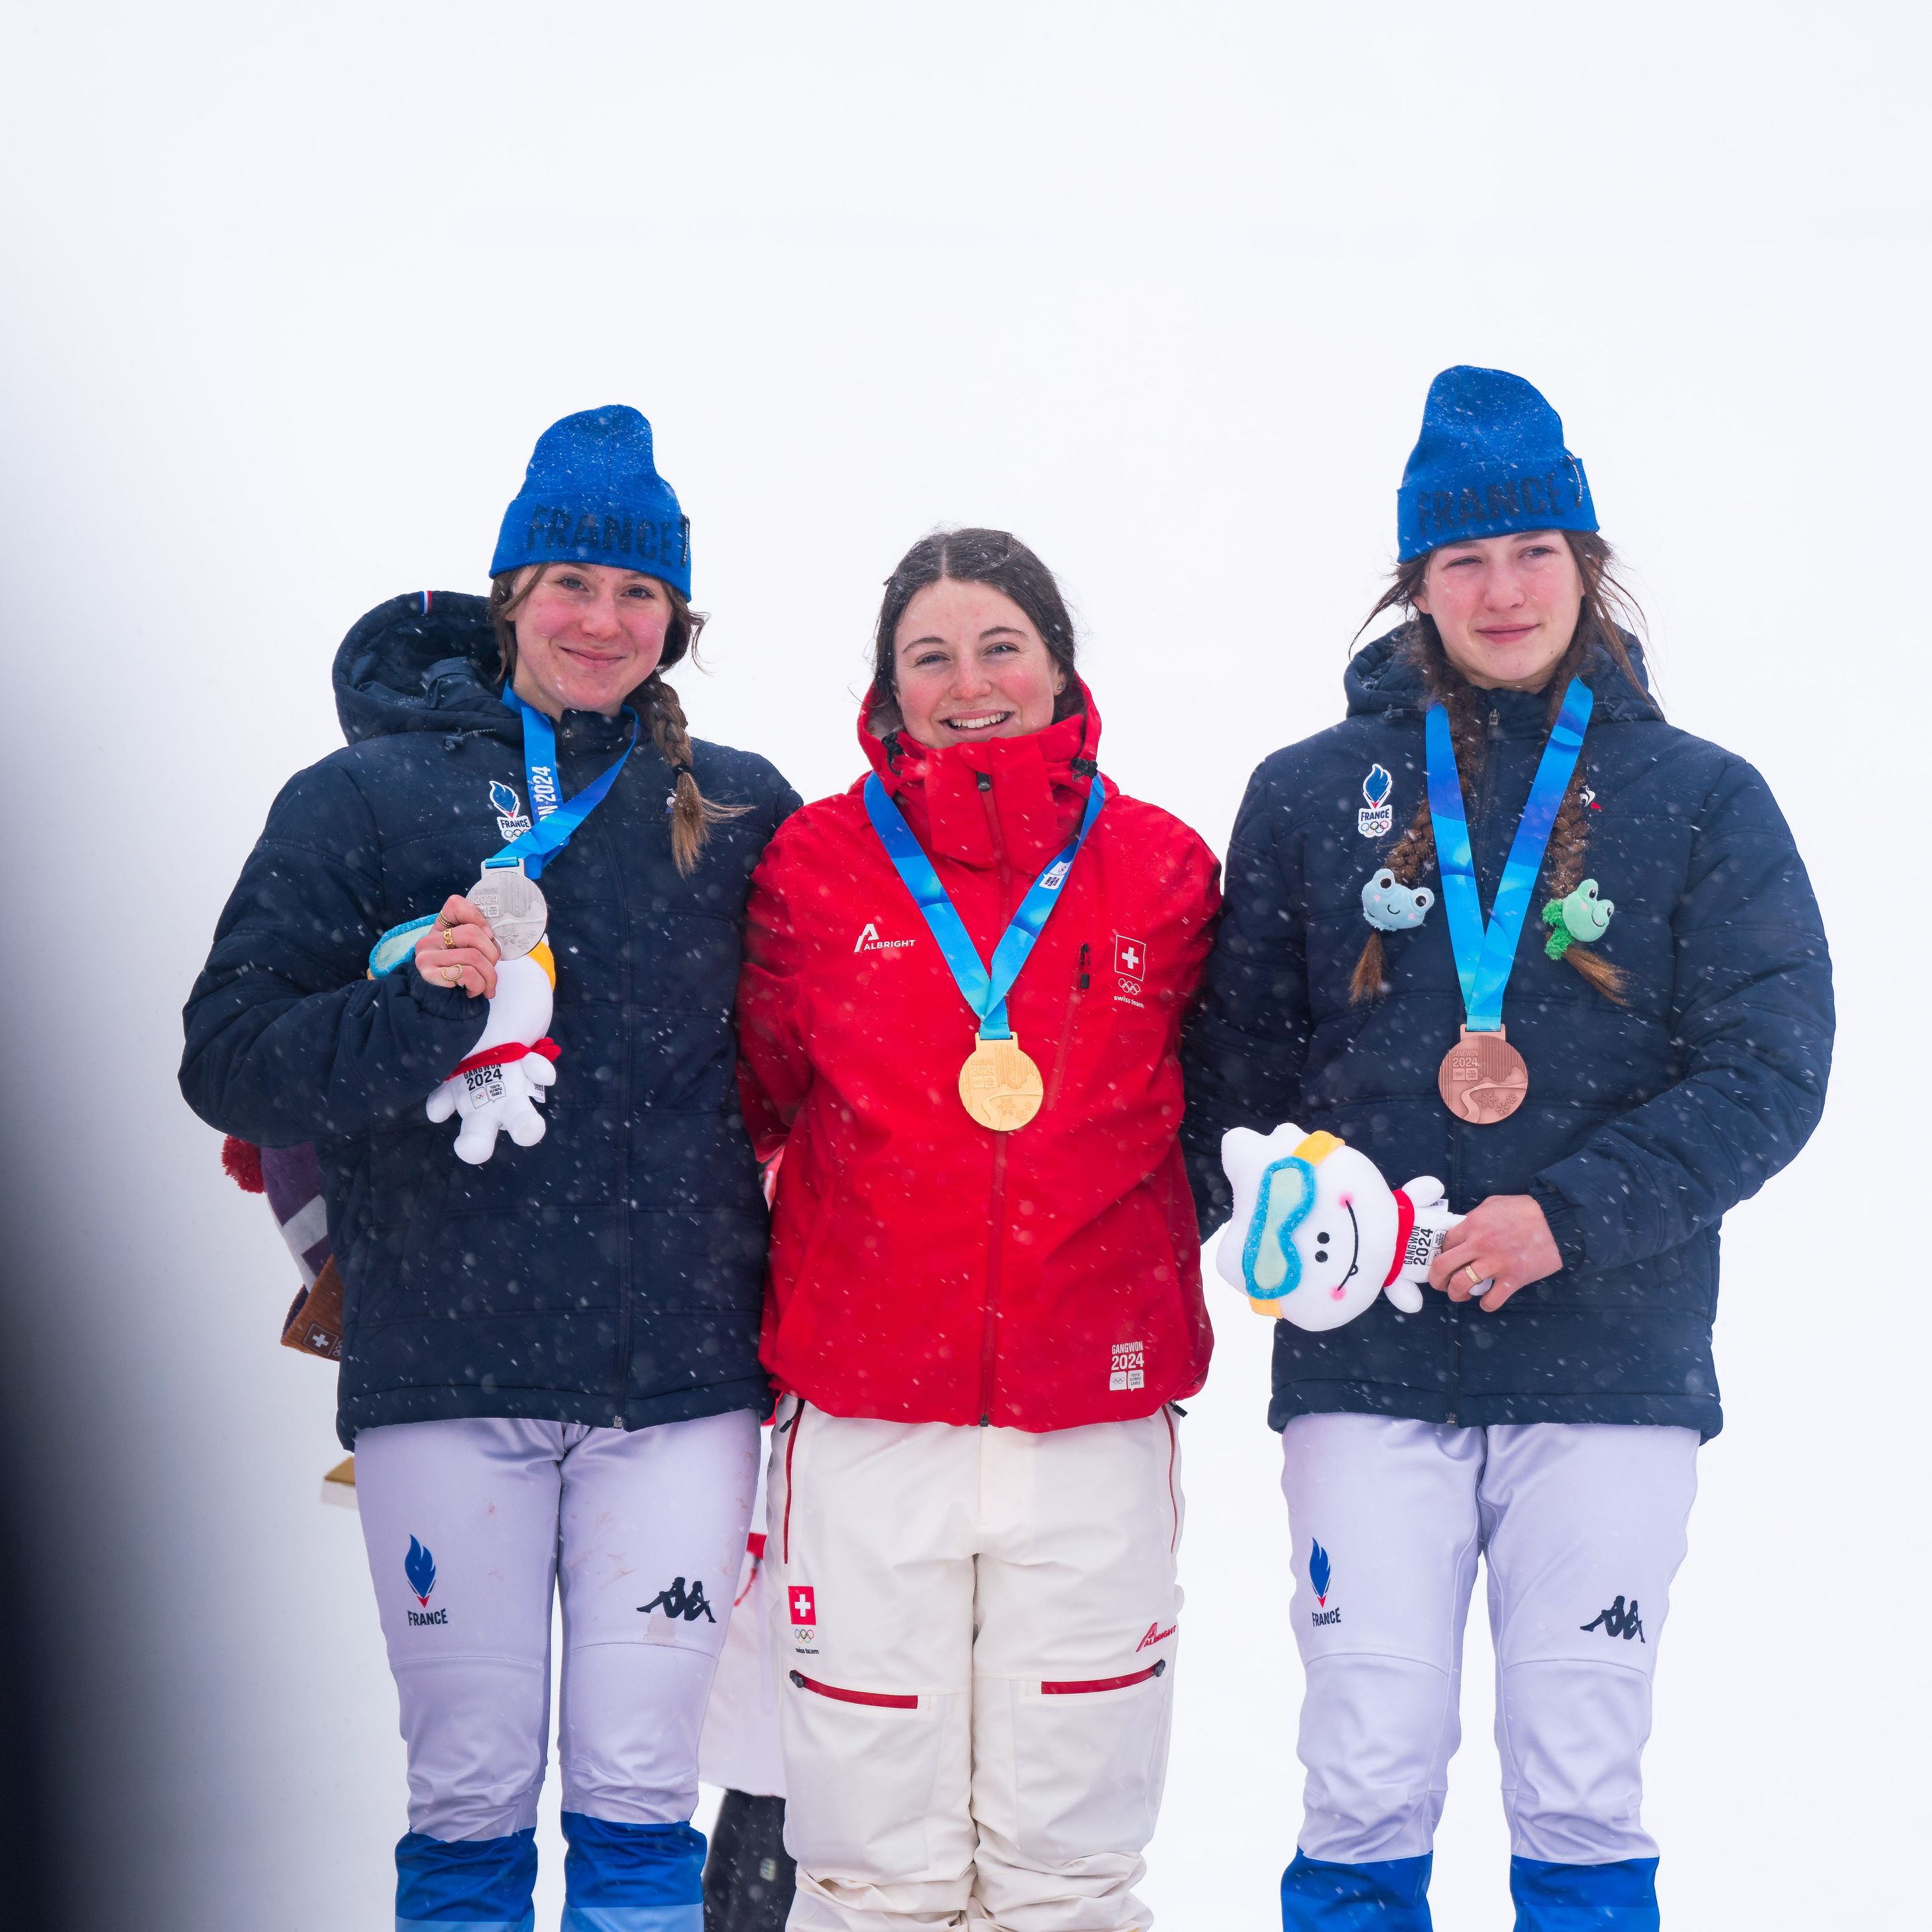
1564 858
692 815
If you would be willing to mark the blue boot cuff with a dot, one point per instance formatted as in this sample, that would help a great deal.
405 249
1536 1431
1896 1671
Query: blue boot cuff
466 1884
1391 1895
632 1878
1617 1897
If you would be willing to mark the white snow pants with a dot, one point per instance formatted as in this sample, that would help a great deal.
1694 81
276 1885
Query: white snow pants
1583 1527
471 1525
976 1635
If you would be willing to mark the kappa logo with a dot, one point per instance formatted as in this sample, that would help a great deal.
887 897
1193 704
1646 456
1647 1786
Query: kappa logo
1618 1621
512 821
676 1601
804 1600
419 1567
1155 1634
1375 817
869 941
1320 1575
1129 1368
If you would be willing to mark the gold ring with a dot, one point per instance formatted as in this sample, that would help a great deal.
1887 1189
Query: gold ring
455 975
443 918
449 935
1469 1269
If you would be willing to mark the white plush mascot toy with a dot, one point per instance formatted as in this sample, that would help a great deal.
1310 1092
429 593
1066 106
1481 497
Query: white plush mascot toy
1317 1233
496 1089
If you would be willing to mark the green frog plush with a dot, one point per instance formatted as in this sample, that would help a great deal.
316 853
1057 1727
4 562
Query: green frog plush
1581 919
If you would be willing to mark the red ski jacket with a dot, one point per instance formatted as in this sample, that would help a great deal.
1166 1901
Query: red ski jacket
925 1268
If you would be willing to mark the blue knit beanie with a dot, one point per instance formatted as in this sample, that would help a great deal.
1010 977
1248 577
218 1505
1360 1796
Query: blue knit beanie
1490 459
592 494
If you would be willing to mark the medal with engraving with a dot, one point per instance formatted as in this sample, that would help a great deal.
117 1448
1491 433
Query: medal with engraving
1482 1078
999 1085
507 898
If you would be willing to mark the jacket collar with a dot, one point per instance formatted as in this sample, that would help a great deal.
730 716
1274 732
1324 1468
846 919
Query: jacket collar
1035 792
1380 678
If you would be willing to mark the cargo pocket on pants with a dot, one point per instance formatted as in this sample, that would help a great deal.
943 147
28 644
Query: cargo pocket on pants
1089 1758
863 1767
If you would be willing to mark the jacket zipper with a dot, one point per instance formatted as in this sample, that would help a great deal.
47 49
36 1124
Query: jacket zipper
621 1391
1082 1686
988 1341
1075 995
1459 1311
884 1700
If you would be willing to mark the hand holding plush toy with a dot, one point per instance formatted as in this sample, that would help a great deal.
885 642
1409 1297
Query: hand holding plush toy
1317 1233
498 1088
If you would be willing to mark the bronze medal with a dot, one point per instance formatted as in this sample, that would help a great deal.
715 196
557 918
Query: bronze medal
999 1086
1482 1078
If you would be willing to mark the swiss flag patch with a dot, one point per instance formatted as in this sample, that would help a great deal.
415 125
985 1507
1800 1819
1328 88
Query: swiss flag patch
1129 957
804 1605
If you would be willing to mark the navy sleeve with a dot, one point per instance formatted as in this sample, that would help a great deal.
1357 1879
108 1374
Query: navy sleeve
287 1039
1243 1049
1752 1013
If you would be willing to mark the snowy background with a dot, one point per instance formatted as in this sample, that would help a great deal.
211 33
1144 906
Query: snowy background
290 295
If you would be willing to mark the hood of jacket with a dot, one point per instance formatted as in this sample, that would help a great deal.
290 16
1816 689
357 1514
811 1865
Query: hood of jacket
424 661
1037 784
1380 677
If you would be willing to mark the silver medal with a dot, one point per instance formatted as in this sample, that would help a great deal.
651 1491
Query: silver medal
507 896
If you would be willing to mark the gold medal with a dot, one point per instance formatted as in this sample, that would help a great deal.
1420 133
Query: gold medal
1483 1079
999 1086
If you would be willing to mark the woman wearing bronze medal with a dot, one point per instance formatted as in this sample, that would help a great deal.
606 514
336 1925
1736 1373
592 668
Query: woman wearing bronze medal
543 1209
959 1023
1506 930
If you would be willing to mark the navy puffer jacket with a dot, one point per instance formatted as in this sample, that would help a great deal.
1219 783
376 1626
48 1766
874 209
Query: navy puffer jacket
1643 1123
611 1275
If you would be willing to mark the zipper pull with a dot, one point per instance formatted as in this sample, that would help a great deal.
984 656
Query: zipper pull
986 780
1083 951
1495 724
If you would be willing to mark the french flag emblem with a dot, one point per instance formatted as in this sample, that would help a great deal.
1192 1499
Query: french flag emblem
804 1605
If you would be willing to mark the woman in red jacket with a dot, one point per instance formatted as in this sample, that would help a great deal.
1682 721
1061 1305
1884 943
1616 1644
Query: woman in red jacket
959 1013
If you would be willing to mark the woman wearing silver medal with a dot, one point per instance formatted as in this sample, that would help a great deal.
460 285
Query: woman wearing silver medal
1505 930
959 1021
549 1368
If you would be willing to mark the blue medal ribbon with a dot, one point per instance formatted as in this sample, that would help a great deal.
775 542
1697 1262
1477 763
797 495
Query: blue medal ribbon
1484 955
985 991
553 820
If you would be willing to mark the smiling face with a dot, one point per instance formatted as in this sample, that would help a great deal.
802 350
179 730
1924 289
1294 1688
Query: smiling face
1506 606
969 664
587 635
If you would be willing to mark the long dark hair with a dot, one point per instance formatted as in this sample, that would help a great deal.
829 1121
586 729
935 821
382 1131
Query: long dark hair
692 815
1608 610
993 557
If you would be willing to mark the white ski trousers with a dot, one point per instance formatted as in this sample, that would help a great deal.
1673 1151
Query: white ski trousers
1582 1527
472 1525
975 1630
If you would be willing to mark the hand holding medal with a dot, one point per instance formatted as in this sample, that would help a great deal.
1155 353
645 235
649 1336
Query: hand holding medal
458 949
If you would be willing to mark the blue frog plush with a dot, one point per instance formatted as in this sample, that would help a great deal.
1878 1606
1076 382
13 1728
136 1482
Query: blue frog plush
1391 907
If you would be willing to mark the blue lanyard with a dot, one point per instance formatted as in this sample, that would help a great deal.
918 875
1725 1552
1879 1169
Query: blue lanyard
553 822
1485 954
985 992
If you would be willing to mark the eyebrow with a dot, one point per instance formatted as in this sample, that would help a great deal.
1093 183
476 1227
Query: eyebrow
992 631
